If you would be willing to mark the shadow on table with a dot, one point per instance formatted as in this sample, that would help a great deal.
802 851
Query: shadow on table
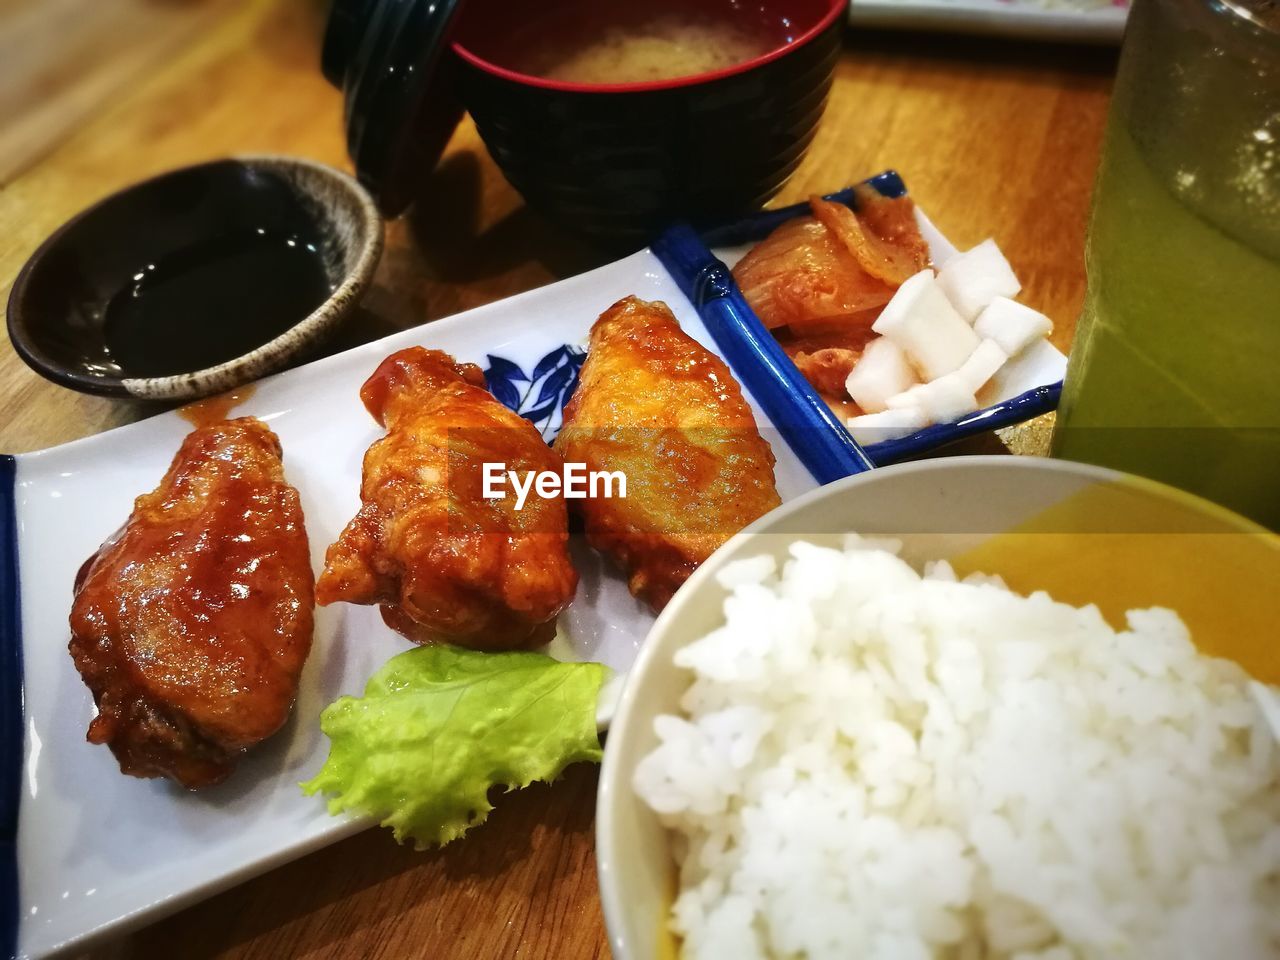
441 258
487 893
445 224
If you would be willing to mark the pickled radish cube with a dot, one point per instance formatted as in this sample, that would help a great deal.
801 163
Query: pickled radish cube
924 325
982 365
943 400
886 425
880 372
1012 325
973 279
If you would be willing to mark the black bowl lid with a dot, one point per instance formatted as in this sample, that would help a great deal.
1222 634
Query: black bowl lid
391 60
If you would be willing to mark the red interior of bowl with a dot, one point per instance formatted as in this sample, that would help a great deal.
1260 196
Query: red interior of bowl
492 34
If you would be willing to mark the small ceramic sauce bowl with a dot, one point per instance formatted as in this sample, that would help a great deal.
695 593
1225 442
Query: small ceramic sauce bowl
622 161
196 281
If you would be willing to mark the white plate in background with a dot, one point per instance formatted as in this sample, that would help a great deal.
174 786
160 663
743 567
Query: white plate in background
1024 19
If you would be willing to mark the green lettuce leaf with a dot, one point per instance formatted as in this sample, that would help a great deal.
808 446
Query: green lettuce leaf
438 726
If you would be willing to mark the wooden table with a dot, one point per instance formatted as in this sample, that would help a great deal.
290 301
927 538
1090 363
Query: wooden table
994 139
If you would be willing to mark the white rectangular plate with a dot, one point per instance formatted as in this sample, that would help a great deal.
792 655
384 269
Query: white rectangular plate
100 852
145 846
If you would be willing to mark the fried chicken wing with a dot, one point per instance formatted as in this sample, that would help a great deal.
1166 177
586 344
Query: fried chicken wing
447 564
191 626
657 406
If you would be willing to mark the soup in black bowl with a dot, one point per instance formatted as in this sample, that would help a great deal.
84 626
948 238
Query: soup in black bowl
614 119
618 119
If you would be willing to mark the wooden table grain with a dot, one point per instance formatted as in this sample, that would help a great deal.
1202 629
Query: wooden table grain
994 139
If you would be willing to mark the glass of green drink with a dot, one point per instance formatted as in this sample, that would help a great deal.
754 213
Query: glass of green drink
1175 370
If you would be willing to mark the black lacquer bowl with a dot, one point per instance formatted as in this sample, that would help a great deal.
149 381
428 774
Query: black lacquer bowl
59 316
621 162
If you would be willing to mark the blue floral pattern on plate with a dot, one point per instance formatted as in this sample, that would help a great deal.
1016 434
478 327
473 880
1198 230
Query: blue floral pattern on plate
538 396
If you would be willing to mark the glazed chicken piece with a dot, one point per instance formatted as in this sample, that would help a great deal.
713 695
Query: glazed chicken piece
655 405
446 564
192 624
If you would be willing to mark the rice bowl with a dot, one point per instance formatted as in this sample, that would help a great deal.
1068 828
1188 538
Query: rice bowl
936 819
878 764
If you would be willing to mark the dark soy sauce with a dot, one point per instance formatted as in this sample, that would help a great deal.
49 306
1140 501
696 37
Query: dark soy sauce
214 301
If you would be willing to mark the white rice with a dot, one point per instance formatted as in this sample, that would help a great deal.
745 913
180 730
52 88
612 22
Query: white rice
873 765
